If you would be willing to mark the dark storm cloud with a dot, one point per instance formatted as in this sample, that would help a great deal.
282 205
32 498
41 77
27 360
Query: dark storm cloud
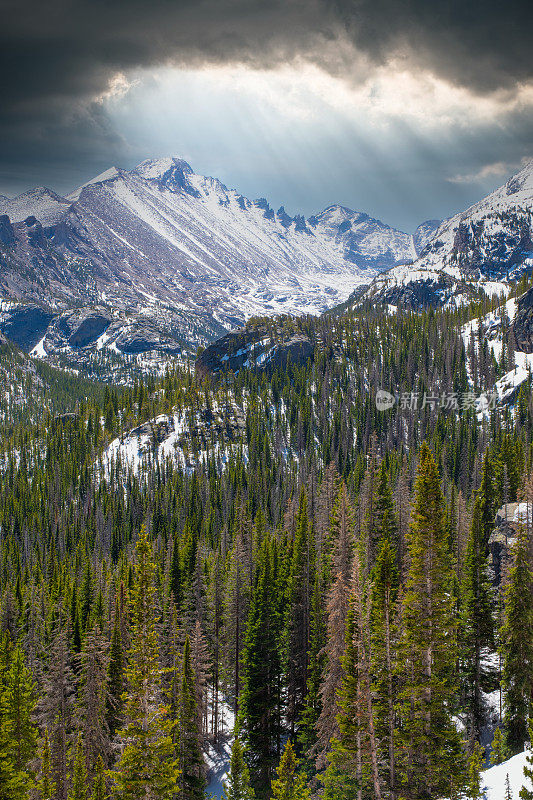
485 45
68 48
57 59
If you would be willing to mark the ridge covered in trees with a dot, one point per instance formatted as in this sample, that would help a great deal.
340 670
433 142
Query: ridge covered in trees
322 582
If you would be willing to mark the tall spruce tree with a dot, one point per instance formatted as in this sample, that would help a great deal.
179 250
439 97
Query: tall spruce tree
517 646
289 783
384 654
431 763
190 759
18 704
115 677
337 604
238 786
260 712
45 785
298 616
99 785
476 634
474 790
342 778
526 793
147 766
78 781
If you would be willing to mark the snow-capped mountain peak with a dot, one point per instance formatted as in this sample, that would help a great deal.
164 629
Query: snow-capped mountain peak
175 243
39 202
522 182
152 169
170 173
107 175
477 251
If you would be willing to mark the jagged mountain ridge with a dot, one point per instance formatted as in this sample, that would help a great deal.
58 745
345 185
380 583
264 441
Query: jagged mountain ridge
42 203
162 235
479 251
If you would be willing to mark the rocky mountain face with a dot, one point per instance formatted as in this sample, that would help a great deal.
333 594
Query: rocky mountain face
424 234
160 260
164 247
41 203
480 251
96 340
523 323
261 345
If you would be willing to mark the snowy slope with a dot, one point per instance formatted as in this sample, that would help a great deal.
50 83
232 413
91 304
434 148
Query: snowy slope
493 331
424 233
197 234
42 203
493 779
112 172
477 251
163 240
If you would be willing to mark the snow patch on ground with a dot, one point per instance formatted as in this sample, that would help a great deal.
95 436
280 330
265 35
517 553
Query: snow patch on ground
493 779
39 351
218 758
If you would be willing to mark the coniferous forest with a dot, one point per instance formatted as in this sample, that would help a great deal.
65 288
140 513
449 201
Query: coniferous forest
314 587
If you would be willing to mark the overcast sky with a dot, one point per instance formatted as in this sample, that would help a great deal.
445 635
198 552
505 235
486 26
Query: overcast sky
406 109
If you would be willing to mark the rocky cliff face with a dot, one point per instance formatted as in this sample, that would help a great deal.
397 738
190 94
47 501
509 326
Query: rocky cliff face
523 323
259 346
509 520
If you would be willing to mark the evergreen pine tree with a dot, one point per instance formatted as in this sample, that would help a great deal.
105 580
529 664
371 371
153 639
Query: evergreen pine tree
190 759
46 786
289 784
517 646
431 760
307 736
385 525
18 703
79 773
499 752
337 605
175 578
238 786
384 646
298 616
477 624
342 779
260 699
115 678
475 765
147 767
99 787
13 782
527 793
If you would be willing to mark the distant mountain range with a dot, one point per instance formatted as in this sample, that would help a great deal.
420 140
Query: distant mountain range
479 251
160 258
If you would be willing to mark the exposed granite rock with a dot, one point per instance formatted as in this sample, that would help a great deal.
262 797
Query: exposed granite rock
7 234
418 294
523 323
141 337
84 326
25 324
509 520
258 346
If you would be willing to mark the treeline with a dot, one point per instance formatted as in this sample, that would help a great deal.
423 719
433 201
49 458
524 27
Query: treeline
326 588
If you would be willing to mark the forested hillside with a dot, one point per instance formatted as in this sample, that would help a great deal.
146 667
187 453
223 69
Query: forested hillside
258 556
